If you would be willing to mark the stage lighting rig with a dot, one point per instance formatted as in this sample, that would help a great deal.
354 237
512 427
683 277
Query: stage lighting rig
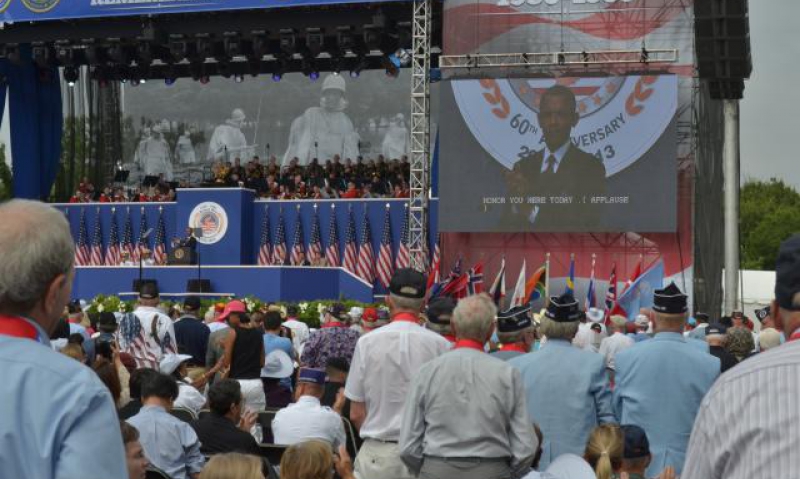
260 45
204 47
65 55
373 37
232 45
41 54
315 40
288 41
345 40
94 53
178 47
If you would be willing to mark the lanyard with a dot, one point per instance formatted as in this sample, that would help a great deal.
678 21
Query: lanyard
469 344
407 317
513 347
18 328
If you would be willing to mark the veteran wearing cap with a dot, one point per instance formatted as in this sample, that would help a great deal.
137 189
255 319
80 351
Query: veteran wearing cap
439 313
465 416
636 453
307 418
768 333
515 331
147 333
567 387
661 382
384 362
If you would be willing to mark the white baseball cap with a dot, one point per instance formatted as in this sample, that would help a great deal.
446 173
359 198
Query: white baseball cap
642 320
170 362
278 365
595 315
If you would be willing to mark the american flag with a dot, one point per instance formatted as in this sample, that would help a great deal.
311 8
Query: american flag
350 254
160 251
385 269
113 256
279 251
96 255
298 246
82 256
127 237
265 250
403 259
315 246
475 285
437 254
332 251
365 268
144 243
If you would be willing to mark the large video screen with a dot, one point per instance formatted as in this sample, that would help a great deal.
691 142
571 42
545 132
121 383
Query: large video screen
590 154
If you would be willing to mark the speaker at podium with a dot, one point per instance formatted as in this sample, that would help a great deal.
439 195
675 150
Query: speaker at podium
182 255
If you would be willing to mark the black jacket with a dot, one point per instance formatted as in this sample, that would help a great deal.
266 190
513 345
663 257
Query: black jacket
219 434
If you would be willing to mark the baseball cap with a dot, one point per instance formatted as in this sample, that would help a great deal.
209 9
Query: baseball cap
192 302
408 283
636 443
313 376
370 315
762 314
170 362
440 310
338 311
148 290
234 306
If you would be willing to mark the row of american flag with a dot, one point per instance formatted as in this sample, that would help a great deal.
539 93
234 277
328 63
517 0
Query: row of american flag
92 253
358 255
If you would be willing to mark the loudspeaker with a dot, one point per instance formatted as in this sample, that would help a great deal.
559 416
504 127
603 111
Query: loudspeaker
722 39
198 286
137 283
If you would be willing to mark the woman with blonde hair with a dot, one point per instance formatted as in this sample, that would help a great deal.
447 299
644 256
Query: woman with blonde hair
233 466
314 460
604 451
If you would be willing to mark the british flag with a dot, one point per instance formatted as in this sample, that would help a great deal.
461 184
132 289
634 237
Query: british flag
350 253
96 254
298 246
113 256
144 243
365 269
332 251
279 251
160 251
385 269
82 256
265 250
127 248
403 259
315 245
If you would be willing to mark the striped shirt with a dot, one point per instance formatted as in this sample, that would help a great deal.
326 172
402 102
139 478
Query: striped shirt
746 427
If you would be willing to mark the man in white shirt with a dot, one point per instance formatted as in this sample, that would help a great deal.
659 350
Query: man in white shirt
147 333
591 331
618 341
307 419
384 362
299 329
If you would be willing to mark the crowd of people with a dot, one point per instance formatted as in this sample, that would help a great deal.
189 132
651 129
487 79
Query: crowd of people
438 389
350 179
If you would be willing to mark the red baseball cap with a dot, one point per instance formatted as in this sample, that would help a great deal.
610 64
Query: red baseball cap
234 306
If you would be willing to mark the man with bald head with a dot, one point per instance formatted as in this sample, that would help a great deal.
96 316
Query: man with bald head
59 420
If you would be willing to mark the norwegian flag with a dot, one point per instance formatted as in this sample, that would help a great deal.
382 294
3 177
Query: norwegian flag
96 255
456 284
298 257
475 285
385 269
350 253
82 254
127 237
315 246
265 250
160 251
279 251
144 243
365 269
403 259
113 256
332 251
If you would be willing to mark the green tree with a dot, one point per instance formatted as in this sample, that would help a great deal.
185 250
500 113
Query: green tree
769 213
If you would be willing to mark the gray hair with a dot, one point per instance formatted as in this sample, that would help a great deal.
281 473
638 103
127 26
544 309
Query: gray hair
474 317
513 337
35 247
407 304
557 330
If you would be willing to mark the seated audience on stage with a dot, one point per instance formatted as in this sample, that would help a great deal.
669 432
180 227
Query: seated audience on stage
233 466
314 460
169 443
134 453
227 427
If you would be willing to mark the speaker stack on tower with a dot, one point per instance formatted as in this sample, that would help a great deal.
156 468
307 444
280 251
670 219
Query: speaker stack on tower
722 39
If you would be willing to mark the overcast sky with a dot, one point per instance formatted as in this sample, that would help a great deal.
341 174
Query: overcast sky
769 122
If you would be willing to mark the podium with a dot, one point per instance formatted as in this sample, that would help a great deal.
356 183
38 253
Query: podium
182 255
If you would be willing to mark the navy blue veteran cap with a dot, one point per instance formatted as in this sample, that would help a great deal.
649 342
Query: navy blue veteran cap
636 443
669 300
762 314
716 328
440 310
563 309
515 319
787 273
313 376
408 283
338 311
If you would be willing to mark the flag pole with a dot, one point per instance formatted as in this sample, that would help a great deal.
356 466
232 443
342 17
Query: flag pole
547 279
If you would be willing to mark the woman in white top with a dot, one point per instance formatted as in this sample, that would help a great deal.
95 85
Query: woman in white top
188 396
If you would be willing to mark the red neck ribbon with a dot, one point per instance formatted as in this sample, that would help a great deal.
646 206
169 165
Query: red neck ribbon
513 347
450 338
468 343
795 335
18 328
334 324
407 317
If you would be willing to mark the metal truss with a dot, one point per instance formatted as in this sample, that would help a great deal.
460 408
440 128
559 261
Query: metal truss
420 134
605 57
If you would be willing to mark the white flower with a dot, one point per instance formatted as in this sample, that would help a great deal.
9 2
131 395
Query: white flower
121 307
100 308
303 307
321 308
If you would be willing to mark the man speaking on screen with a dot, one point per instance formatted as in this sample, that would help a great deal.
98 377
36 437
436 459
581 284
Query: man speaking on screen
558 183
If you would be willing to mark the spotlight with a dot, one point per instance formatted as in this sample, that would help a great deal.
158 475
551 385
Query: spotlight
41 55
238 78
360 65
288 42
372 37
232 45
391 66
70 75
314 41
401 58
345 39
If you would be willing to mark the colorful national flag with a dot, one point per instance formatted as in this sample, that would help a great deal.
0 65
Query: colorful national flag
265 246
403 259
96 254
570 289
365 268
498 289
315 245
82 254
636 273
298 257
475 285
279 251
640 292
160 250
128 248
350 247
611 292
143 243
332 251
436 259
536 287
113 256
456 284
520 298
385 263
590 292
